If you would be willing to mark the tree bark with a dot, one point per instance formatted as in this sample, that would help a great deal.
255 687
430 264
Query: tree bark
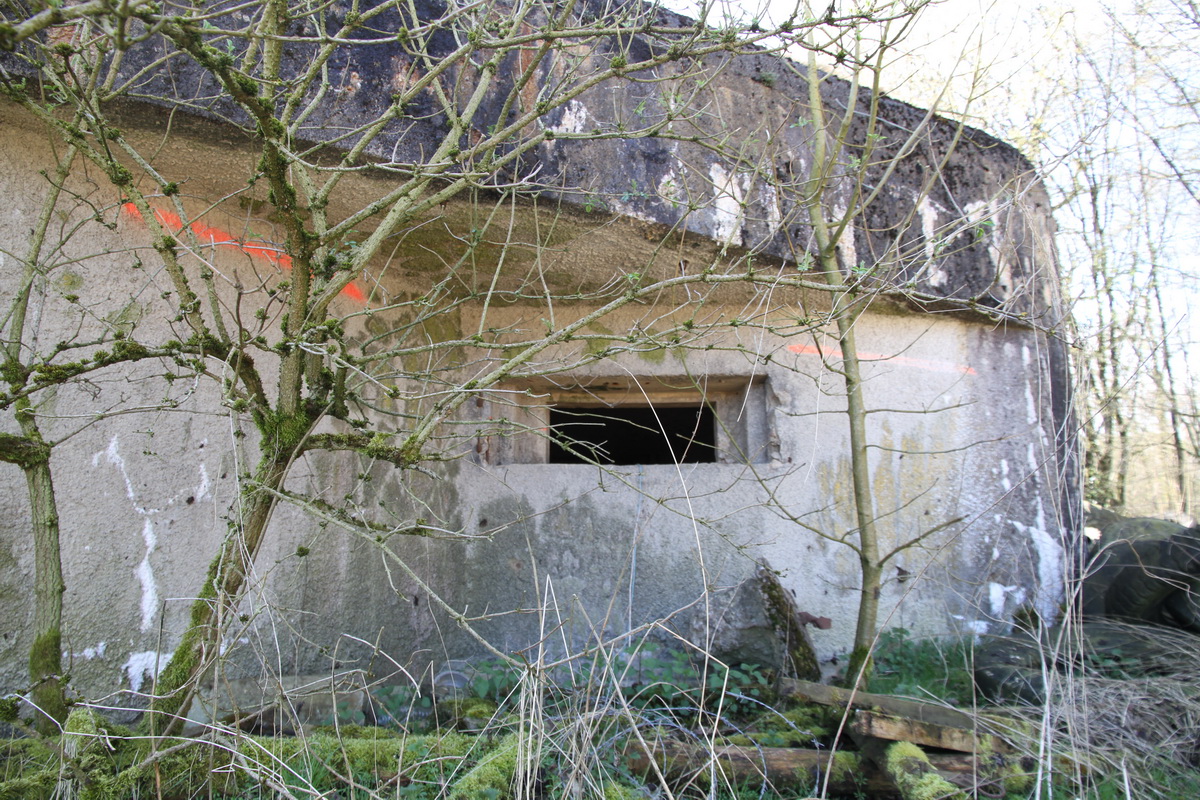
845 314
218 597
45 655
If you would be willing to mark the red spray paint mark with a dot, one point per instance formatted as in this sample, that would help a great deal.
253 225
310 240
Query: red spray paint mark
219 238
904 361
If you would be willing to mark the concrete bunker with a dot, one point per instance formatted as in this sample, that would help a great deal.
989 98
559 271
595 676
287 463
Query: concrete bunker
555 550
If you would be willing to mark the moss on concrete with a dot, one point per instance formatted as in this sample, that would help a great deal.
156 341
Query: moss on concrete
492 776
598 346
781 611
655 356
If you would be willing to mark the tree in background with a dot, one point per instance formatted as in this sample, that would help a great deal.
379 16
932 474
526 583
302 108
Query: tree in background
1105 104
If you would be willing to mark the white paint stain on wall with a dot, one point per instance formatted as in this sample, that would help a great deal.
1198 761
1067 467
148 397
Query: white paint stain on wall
1049 569
984 216
574 118
998 595
927 210
148 663
770 200
845 243
145 575
1031 415
145 570
90 653
203 489
670 188
728 206
978 627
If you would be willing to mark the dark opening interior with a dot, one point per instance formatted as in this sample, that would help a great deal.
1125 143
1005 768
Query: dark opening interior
661 435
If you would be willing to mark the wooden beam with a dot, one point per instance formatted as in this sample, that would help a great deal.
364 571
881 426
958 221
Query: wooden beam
915 710
910 770
927 734
787 767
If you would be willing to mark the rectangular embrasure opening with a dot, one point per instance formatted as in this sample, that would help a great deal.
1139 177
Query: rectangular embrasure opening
622 435
624 421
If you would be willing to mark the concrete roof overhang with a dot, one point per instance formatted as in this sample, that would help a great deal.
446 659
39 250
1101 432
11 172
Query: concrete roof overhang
590 205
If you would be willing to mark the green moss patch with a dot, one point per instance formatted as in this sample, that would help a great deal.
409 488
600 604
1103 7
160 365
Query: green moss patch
108 768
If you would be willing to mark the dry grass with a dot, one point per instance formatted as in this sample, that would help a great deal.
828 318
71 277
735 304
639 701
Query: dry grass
1123 712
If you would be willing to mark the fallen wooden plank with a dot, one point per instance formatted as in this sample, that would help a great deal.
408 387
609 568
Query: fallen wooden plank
926 734
781 767
787 767
991 723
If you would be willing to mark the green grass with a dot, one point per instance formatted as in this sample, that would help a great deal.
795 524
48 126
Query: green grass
923 668
577 731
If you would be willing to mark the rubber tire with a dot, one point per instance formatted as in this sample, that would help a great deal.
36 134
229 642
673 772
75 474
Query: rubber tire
1117 551
1009 669
1183 606
1160 568
1014 668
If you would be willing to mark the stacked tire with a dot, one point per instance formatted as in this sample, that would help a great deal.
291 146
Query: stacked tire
1145 571
1141 572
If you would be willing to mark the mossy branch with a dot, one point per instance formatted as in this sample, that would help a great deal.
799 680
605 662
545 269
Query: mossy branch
370 445
23 451
12 35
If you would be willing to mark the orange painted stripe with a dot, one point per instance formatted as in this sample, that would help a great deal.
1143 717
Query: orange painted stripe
220 238
905 361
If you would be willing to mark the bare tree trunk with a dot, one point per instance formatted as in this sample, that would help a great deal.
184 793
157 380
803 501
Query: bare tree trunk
864 505
31 452
845 315
45 655
1169 389
218 596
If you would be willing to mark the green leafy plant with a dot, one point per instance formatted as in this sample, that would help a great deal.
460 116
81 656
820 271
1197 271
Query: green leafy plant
922 667
746 688
403 705
495 680
671 679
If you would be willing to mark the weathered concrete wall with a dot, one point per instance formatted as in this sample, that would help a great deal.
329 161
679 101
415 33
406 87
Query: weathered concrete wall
974 427
967 437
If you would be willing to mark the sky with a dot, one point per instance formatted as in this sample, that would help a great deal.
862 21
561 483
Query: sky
948 39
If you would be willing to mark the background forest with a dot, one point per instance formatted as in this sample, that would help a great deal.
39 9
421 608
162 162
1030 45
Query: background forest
1103 97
